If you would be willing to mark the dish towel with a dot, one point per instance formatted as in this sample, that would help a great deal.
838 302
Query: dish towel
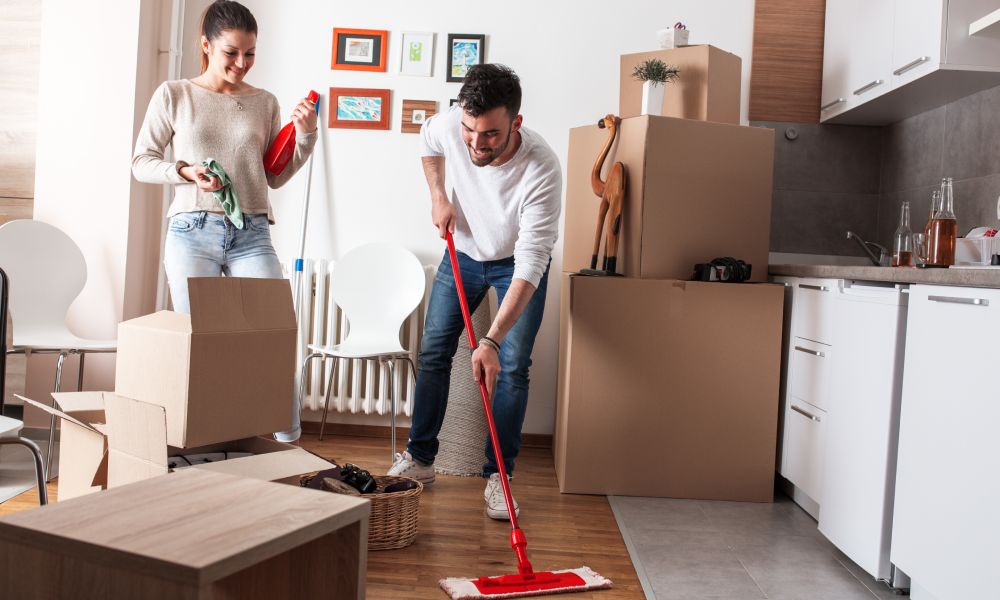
226 195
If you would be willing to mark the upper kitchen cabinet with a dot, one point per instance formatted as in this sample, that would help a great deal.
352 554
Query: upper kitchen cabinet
885 60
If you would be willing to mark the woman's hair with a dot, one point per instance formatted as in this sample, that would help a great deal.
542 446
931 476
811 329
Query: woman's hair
224 15
488 86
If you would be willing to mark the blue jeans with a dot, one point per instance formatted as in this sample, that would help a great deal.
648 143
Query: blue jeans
204 244
442 329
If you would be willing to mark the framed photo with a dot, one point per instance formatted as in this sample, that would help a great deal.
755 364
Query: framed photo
464 50
415 112
417 54
359 49
358 108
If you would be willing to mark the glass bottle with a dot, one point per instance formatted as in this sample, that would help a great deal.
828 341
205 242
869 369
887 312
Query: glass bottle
935 204
902 241
943 230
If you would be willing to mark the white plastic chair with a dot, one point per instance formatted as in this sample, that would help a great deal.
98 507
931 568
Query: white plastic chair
377 286
46 272
10 430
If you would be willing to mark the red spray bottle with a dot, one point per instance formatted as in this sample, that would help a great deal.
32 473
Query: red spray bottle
281 151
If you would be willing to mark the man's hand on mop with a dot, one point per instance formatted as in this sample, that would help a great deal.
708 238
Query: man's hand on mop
486 360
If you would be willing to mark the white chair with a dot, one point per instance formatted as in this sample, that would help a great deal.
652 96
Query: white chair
377 286
10 430
46 272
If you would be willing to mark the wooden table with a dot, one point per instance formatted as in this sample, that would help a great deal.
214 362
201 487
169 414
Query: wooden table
190 534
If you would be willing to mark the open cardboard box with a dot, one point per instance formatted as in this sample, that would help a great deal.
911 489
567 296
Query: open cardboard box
109 440
224 372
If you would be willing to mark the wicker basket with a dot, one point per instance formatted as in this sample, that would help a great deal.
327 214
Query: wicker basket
394 516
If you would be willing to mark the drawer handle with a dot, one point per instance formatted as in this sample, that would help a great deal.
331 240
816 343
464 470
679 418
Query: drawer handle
818 288
806 414
830 105
911 65
868 86
955 300
808 351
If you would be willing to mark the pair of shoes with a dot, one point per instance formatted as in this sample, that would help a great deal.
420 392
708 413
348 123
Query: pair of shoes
407 466
496 506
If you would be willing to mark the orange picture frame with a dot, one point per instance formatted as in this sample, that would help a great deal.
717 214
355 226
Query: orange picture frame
359 49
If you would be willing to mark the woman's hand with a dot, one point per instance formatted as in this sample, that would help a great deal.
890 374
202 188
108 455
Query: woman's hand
304 116
202 177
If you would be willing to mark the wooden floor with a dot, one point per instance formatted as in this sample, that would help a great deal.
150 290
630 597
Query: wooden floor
457 539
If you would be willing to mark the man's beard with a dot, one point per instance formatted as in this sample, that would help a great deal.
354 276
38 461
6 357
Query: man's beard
492 156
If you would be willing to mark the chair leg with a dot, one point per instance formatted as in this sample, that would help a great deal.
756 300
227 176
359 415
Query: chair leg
79 376
36 455
52 418
329 393
300 391
392 407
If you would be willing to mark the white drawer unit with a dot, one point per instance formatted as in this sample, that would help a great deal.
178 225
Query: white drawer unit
810 373
946 521
802 448
813 316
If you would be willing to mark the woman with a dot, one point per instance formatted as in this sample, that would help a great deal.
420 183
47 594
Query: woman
219 116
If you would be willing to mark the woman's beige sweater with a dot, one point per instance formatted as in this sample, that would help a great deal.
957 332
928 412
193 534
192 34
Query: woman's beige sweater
235 130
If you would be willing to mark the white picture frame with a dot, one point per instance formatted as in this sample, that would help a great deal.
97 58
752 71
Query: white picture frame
417 54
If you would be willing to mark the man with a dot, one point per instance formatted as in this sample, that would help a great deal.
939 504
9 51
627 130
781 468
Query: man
497 186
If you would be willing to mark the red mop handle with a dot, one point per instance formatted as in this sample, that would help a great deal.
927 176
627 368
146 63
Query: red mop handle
517 539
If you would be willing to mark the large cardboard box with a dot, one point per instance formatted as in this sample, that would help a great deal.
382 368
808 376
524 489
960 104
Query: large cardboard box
694 191
707 89
108 440
668 388
224 372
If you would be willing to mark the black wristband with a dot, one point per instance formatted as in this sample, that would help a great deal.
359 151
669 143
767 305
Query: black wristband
491 343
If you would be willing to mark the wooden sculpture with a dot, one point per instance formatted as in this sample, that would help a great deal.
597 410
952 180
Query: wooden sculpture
612 193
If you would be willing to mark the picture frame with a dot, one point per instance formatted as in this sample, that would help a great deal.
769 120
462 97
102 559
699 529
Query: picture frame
359 49
359 108
416 55
465 50
415 113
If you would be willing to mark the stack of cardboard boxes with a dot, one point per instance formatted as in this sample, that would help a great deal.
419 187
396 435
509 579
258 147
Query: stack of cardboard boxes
219 380
669 387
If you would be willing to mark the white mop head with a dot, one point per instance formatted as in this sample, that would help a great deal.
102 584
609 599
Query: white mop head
464 589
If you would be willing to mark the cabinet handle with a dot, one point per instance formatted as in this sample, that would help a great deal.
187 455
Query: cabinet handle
911 65
806 414
818 288
866 87
954 300
832 104
813 352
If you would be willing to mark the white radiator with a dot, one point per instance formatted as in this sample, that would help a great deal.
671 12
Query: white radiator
361 387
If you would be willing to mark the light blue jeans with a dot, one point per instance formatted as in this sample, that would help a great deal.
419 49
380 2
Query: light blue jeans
204 244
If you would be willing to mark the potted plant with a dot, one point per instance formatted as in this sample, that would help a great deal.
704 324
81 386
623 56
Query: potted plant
655 74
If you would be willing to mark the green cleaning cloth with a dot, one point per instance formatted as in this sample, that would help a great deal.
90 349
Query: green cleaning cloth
226 195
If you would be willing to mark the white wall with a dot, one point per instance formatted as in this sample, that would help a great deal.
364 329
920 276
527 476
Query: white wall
369 186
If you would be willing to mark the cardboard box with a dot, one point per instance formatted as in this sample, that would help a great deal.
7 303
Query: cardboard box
224 372
109 440
707 88
694 191
668 388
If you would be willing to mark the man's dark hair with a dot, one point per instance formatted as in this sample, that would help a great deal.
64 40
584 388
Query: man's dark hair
223 15
488 86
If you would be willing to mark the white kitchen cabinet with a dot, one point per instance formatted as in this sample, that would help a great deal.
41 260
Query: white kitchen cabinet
860 433
803 444
812 316
946 523
904 57
810 373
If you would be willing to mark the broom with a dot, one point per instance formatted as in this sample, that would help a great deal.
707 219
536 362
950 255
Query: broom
526 582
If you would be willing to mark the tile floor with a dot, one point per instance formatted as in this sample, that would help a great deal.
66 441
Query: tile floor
700 550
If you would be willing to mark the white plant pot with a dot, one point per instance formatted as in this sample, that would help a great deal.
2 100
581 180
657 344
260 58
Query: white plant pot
652 98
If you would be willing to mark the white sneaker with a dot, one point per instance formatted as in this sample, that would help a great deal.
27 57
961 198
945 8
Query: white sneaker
496 507
407 466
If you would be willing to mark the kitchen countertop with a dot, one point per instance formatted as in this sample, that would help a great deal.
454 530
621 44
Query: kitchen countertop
968 277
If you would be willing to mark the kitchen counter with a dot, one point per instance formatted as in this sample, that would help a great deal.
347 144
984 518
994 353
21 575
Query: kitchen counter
986 277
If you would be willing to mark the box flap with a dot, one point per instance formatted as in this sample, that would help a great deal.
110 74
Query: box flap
59 413
271 466
221 304
164 320
74 402
136 430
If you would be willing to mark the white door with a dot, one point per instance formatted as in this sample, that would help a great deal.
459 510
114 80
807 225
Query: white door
835 97
917 39
871 49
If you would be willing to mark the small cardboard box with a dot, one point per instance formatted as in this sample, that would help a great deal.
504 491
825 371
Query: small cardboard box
668 388
707 89
694 191
224 372
109 440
